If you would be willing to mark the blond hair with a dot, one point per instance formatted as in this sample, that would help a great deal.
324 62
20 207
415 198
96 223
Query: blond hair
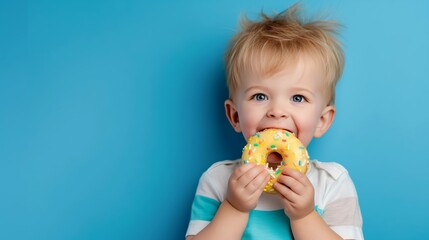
275 40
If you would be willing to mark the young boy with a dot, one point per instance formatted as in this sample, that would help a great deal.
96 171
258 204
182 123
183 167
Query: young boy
281 73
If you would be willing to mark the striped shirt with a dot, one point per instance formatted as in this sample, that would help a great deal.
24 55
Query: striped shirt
335 200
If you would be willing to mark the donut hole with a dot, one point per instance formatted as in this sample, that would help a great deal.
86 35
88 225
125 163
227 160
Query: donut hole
274 159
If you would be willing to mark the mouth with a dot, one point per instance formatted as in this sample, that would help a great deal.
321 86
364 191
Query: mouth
285 129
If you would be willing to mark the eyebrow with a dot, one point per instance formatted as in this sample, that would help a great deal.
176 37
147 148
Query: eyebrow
257 88
294 89
301 89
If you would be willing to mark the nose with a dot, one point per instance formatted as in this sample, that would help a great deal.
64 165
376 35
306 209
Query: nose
277 111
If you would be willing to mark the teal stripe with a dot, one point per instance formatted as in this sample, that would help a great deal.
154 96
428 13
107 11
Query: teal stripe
318 210
204 208
261 224
268 225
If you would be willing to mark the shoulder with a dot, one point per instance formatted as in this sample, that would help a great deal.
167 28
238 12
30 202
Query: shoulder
330 177
225 167
214 181
224 164
331 181
329 169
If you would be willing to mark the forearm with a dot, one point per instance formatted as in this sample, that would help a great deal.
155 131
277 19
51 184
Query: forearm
312 227
228 223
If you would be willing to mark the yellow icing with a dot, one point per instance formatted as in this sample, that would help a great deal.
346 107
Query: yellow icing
259 146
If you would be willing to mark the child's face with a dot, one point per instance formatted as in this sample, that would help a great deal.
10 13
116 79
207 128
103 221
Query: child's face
294 99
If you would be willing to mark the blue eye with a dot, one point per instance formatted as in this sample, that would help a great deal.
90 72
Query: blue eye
260 97
298 98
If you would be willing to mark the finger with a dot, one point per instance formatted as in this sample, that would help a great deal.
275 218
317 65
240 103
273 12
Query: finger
250 175
293 184
259 182
239 171
302 181
285 191
299 176
256 190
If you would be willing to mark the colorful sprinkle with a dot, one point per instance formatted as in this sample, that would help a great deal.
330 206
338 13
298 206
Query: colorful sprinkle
277 136
281 142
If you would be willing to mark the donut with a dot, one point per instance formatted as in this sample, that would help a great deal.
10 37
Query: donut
293 153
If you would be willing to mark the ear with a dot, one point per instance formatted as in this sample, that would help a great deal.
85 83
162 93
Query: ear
232 115
325 121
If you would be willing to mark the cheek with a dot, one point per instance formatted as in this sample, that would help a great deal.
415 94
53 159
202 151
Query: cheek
306 127
249 121
248 127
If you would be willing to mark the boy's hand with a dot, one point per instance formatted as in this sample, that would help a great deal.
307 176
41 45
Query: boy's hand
297 193
245 186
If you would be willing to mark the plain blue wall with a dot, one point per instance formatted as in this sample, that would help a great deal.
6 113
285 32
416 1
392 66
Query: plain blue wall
111 110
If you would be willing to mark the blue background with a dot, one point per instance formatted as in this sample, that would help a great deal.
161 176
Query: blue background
111 110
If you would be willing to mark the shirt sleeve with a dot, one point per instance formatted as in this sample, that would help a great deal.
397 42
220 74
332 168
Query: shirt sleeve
210 193
342 212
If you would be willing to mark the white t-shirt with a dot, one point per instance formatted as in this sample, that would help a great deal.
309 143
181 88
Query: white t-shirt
335 200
